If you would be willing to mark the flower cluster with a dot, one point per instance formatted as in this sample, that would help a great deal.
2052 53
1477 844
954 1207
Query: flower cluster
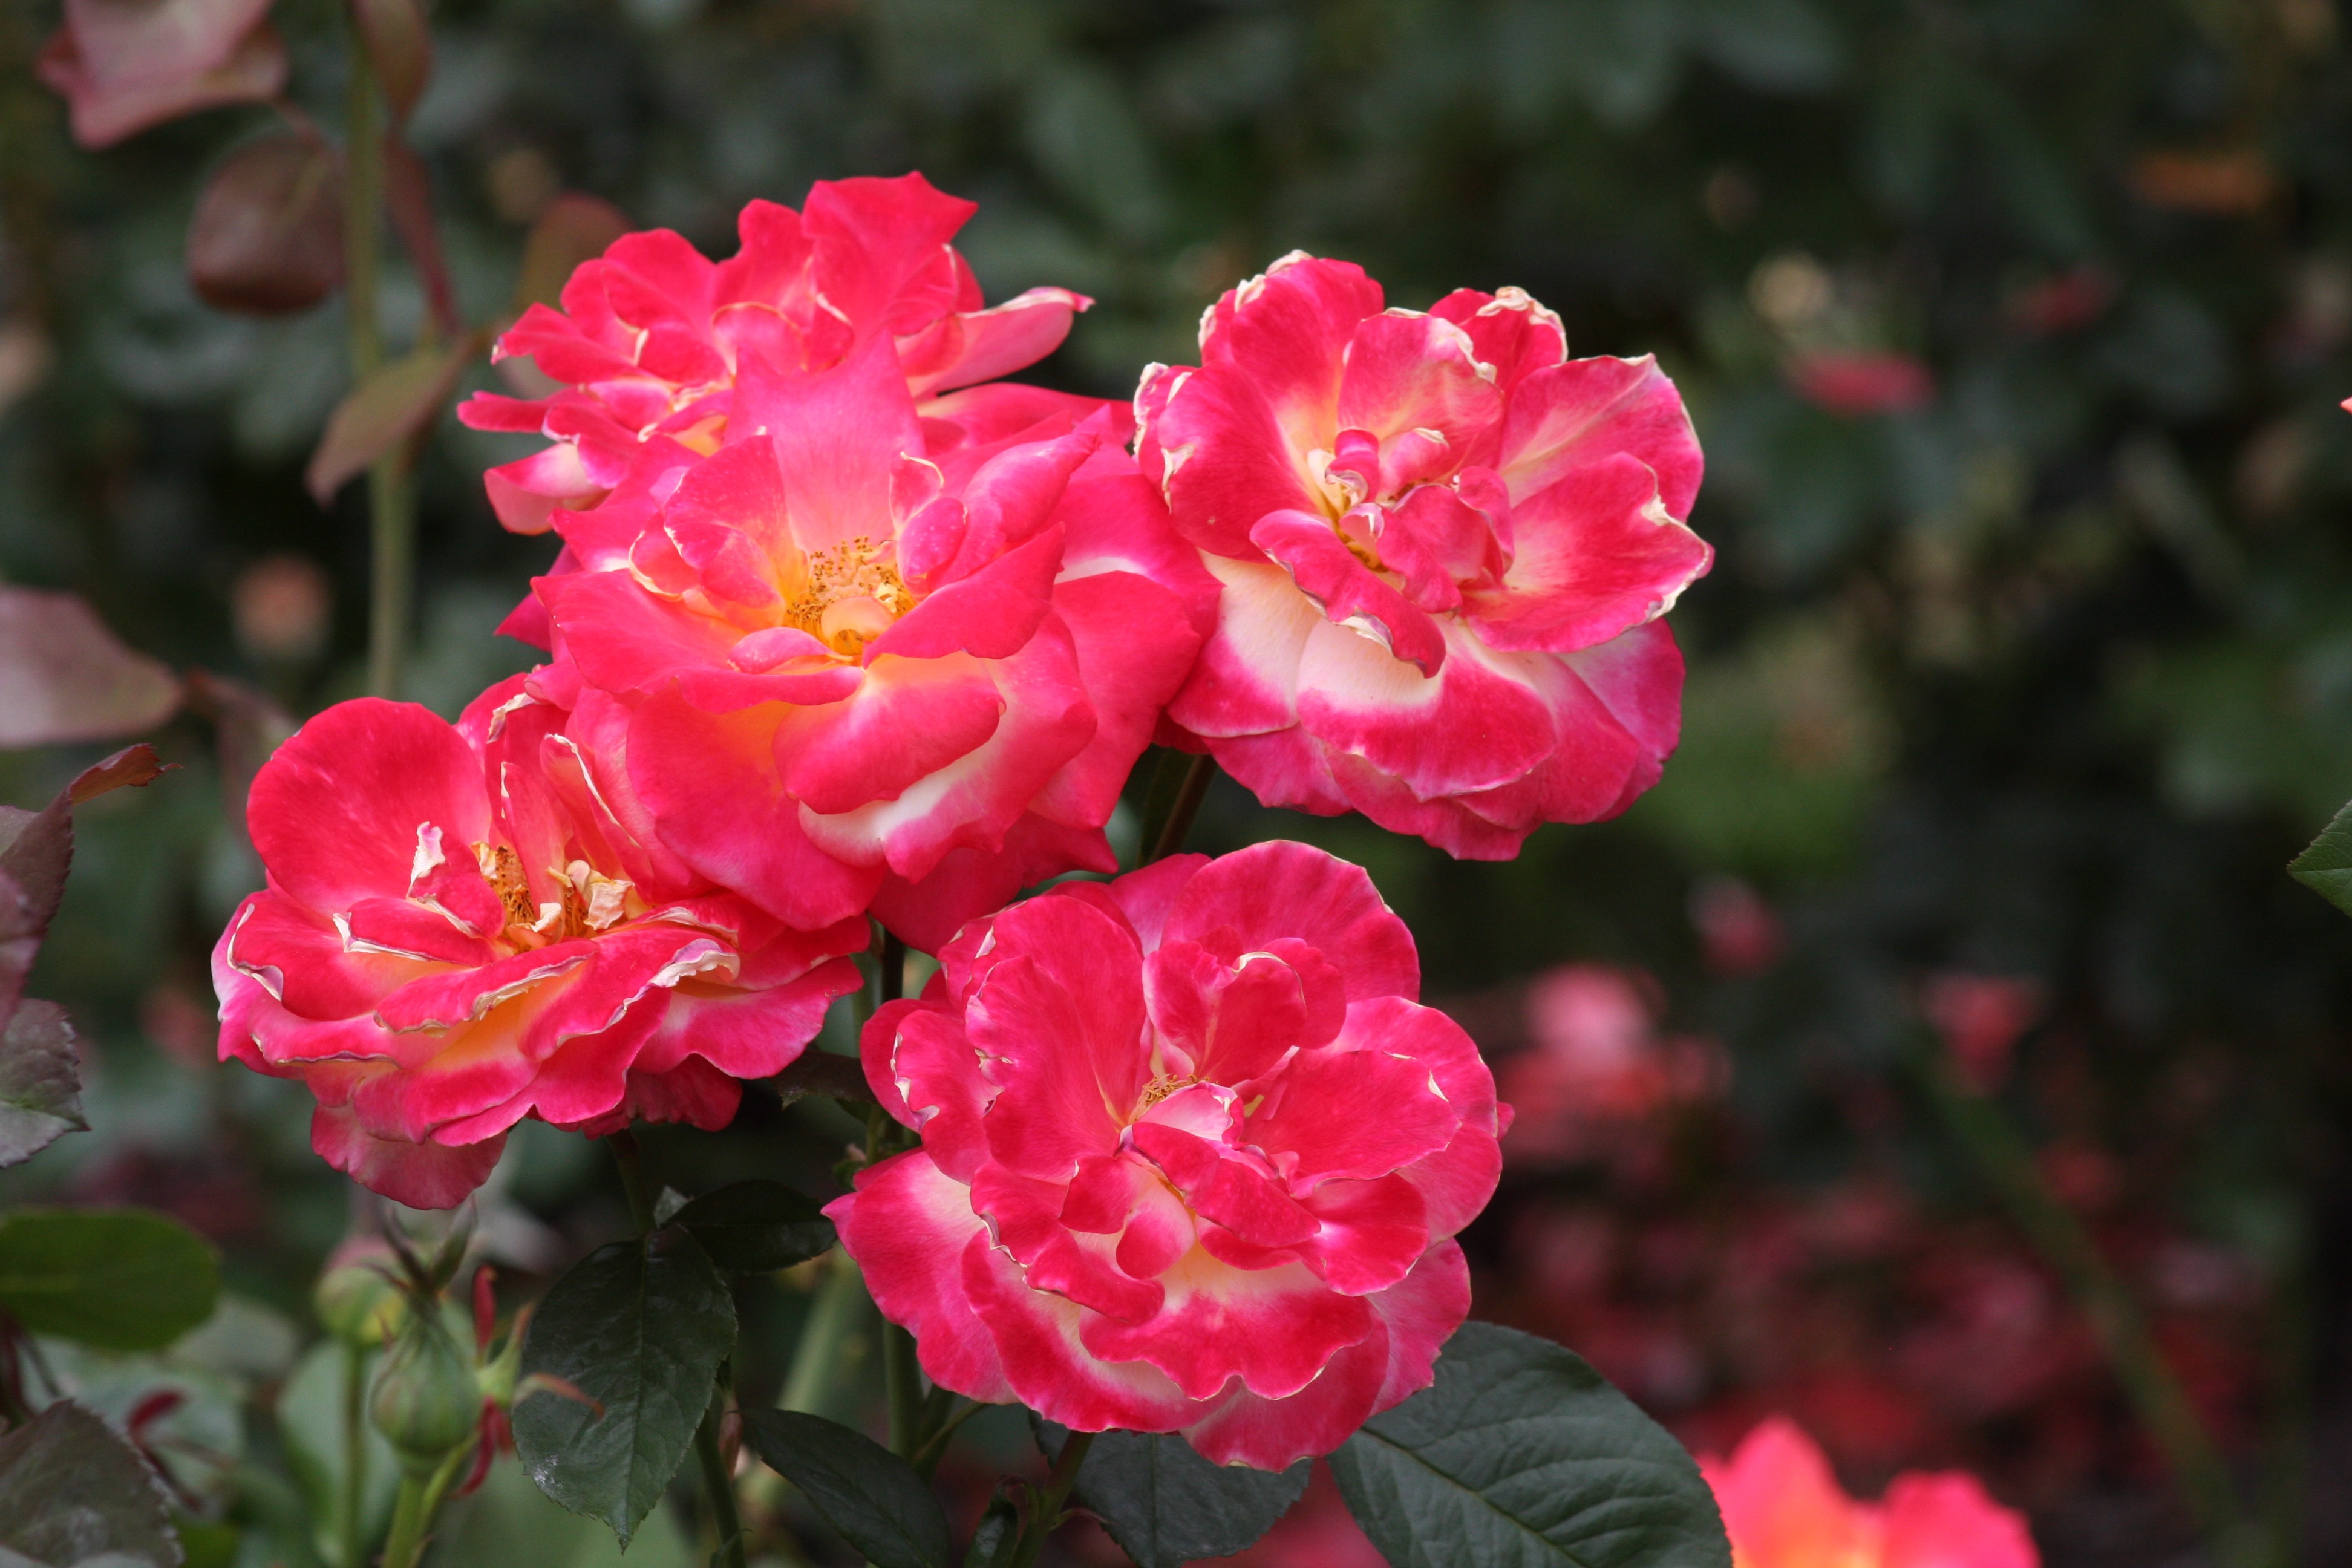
843 630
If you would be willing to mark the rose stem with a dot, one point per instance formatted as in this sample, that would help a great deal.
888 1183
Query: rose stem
390 518
1189 796
1049 1502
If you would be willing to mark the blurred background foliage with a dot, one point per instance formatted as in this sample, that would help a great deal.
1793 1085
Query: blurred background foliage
2014 332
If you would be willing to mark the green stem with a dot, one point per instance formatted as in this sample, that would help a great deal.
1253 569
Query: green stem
818 1354
391 517
904 1382
623 1145
939 1428
353 1526
1189 796
2001 1149
893 967
1039 1523
718 1483
419 1503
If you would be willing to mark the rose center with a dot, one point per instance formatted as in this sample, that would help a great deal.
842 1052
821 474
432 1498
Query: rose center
587 900
848 595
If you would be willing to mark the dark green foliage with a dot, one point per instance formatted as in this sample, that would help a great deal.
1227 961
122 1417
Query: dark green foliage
2325 867
755 1227
1521 1456
1165 1505
869 1494
639 1327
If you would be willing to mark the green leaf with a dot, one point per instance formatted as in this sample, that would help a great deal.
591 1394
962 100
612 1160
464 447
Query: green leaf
754 1227
1165 1505
71 1493
2327 867
640 1327
40 1081
120 1279
870 1495
1520 1456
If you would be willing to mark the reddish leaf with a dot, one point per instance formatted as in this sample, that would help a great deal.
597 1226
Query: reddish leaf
267 236
571 228
35 853
408 195
64 677
400 47
133 767
382 411
125 64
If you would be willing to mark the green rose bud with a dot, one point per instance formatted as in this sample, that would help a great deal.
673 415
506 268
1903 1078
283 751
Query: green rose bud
426 1400
359 1304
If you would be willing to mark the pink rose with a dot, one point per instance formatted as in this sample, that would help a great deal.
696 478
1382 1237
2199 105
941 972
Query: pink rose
465 926
1784 1508
652 336
1193 1157
1444 545
860 676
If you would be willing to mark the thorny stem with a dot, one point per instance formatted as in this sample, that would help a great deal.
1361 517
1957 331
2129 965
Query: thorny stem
353 1504
1189 796
391 519
1049 1513
718 1483
2000 1151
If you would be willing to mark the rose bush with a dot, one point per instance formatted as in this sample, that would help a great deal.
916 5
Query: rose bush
1444 547
467 925
1193 1157
652 336
1784 1508
862 676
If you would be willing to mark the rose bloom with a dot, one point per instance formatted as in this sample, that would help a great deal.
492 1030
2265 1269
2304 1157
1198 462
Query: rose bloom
1444 547
465 926
1783 1508
1193 1157
859 676
652 336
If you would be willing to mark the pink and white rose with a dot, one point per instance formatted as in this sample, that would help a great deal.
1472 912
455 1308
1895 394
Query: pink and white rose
1193 1157
652 336
467 925
1446 547
865 673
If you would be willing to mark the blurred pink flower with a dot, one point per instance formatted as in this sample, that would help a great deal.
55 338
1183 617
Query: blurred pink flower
1599 1061
1784 1508
1980 1018
1740 932
1852 385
